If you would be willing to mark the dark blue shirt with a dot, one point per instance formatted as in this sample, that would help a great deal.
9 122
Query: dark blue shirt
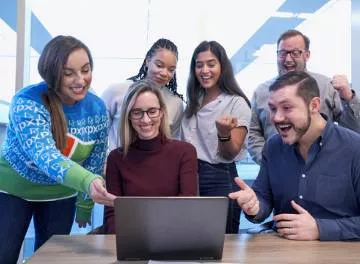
327 184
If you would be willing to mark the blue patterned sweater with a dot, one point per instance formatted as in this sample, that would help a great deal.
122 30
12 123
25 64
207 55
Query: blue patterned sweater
31 167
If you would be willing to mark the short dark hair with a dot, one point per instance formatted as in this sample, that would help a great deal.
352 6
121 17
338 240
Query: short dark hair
292 33
307 87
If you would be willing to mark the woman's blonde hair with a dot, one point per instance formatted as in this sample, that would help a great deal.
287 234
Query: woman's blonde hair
127 133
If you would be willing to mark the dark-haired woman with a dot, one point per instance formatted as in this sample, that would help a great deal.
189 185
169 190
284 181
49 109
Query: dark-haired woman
55 147
216 122
158 66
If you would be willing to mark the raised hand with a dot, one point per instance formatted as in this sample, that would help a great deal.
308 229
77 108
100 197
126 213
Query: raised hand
341 84
225 124
246 198
301 226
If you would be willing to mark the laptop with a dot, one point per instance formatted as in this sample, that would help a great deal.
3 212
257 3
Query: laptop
170 228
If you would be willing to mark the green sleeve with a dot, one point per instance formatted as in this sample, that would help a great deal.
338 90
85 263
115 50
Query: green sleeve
84 206
79 178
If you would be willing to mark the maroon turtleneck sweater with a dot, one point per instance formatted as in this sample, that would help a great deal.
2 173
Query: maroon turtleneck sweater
153 167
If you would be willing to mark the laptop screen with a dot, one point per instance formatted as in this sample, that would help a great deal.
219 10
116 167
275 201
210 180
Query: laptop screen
170 228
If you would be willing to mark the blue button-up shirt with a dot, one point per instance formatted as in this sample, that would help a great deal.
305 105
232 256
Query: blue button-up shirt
327 184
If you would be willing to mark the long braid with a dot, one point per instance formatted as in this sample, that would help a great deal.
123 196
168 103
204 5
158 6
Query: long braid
141 74
159 44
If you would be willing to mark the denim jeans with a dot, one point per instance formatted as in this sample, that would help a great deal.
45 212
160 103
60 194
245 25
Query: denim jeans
50 218
218 180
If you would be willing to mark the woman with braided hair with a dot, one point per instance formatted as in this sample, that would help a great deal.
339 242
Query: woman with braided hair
158 66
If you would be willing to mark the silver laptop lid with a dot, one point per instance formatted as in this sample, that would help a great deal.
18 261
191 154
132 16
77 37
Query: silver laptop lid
170 228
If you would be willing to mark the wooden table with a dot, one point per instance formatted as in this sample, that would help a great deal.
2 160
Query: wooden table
243 248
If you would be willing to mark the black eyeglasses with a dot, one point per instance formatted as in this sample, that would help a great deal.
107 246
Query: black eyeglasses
136 114
296 53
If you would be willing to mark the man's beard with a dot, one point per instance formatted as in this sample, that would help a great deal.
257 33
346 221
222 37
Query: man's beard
283 68
300 131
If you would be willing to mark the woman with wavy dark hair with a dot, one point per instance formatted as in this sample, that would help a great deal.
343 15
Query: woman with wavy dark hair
216 122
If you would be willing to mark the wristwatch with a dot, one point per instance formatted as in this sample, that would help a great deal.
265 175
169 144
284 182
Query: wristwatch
224 139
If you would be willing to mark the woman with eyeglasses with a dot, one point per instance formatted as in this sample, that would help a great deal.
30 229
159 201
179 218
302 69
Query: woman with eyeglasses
149 163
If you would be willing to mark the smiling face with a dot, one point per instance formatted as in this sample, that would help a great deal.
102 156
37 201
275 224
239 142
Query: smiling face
289 114
207 70
161 66
145 105
289 62
76 77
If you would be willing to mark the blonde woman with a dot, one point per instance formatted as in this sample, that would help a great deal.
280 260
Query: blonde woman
149 163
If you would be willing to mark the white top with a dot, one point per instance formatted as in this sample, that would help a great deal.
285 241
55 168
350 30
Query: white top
113 98
200 129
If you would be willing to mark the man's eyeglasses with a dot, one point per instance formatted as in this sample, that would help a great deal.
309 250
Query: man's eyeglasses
296 53
136 114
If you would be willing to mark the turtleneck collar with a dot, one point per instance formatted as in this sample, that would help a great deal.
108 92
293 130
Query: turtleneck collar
153 144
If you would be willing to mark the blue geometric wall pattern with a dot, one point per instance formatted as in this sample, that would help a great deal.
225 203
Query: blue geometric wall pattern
272 29
267 34
39 34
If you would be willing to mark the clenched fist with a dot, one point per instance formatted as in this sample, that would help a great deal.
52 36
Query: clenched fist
225 124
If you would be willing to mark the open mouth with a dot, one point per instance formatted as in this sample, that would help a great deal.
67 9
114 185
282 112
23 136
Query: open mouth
284 128
146 127
206 79
78 90
290 67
